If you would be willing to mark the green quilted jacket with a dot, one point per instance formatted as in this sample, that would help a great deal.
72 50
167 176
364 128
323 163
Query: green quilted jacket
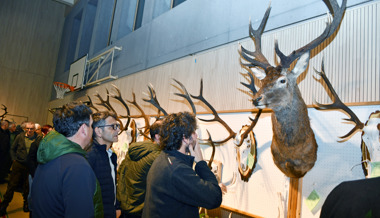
132 175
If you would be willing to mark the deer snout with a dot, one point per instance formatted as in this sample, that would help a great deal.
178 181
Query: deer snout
256 101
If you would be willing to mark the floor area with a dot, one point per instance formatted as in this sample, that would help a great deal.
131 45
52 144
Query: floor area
14 209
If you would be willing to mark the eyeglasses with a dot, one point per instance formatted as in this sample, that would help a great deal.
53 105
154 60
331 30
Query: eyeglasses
29 128
114 126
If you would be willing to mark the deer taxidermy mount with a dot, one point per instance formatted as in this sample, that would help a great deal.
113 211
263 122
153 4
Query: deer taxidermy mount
293 147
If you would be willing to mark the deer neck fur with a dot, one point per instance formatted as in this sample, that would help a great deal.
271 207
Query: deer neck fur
290 123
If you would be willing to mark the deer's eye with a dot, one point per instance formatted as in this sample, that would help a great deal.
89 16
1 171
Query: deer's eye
283 81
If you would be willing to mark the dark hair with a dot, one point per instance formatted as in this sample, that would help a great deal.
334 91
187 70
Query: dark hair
155 128
99 119
68 119
45 129
174 128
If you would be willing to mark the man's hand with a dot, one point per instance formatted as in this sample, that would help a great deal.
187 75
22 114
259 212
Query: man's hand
196 152
118 213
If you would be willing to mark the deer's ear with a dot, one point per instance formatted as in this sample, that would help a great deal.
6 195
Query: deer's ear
259 74
301 64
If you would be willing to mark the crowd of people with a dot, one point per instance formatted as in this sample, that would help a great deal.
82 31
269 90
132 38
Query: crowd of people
71 171
19 146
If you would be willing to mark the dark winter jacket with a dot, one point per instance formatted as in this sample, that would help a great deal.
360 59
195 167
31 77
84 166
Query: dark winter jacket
64 184
4 143
174 189
98 159
132 175
18 149
359 198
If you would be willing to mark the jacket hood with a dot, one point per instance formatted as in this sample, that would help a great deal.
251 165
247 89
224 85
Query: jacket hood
55 145
139 150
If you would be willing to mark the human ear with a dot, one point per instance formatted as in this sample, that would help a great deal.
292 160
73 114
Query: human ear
98 131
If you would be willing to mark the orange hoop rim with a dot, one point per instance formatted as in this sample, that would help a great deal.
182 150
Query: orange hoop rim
64 85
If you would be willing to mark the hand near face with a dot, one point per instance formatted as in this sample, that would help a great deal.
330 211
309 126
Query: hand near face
195 151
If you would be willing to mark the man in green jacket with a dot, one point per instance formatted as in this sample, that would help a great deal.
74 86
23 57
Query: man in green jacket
133 172
64 183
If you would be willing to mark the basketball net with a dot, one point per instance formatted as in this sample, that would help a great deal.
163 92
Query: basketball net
62 88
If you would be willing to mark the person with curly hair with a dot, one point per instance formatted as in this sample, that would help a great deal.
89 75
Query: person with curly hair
174 189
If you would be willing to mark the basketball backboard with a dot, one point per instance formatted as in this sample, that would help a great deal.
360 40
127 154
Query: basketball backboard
77 70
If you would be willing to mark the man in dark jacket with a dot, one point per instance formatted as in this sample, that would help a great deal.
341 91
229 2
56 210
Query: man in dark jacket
4 150
174 189
103 161
358 198
19 153
64 184
133 172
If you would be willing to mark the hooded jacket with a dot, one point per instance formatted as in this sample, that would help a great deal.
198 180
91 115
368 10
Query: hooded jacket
64 184
133 172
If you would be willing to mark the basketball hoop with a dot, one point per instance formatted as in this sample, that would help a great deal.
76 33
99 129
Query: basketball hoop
62 88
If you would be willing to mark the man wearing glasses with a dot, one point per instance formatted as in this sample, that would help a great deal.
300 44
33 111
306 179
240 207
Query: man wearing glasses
103 161
19 174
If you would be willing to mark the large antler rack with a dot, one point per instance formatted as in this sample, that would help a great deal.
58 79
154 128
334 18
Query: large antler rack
216 116
257 59
142 113
186 96
105 103
5 111
153 100
337 12
338 104
118 97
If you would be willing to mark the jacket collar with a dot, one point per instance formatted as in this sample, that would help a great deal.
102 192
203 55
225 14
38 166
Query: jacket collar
189 160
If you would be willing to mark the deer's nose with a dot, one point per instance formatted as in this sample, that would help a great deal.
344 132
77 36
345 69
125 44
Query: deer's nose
256 101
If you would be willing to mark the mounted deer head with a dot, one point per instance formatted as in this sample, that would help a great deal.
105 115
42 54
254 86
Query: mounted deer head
370 145
294 148
244 140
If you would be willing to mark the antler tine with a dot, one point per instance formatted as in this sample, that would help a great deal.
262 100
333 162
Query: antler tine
251 85
105 103
133 131
90 104
121 100
186 96
337 12
143 115
338 104
5 111
145 135
253 124
213 149
216 116
153 100
258 59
